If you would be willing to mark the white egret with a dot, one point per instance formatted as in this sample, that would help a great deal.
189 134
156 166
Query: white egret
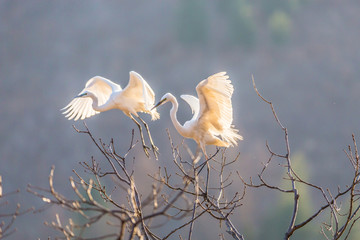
213 114
101 94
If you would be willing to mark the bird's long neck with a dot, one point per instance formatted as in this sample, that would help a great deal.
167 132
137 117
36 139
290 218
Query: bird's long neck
104 107
173 117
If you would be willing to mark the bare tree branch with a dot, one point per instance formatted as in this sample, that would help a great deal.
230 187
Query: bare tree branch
7 219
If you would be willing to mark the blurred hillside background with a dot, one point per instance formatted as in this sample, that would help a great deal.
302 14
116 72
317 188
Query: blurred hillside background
304 56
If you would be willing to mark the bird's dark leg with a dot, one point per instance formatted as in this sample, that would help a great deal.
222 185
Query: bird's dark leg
207 175
142 136
202 146
154 148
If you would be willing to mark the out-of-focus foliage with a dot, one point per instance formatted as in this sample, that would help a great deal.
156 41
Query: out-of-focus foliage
243 18
276 219
270 6
240 18
192 22
280 27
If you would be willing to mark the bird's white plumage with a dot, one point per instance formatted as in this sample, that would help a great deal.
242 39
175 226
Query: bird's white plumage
103 94
213 114
215 106
138 88
81 108
193 103
74 109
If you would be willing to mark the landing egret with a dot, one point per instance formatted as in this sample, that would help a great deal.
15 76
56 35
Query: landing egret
101 94
212 113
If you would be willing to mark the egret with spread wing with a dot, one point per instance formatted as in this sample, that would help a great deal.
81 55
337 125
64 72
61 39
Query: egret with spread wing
101 94
211 123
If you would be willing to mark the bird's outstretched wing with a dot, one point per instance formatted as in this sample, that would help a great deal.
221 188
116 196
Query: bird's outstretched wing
215 106
139 89
81 108
194 104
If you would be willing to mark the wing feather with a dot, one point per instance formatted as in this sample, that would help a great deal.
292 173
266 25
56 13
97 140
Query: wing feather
81 108
80 112
69 106
215 106
86 112
193 103
215 100
139 89
73 108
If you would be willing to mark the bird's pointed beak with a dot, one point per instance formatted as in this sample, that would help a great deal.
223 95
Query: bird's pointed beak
159 103
80 95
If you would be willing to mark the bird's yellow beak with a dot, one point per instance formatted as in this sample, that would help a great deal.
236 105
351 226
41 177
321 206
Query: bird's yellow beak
159 103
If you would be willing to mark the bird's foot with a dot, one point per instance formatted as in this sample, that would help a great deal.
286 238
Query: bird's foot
155 150
146 150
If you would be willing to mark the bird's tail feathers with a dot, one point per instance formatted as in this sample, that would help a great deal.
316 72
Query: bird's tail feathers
231 136
154 115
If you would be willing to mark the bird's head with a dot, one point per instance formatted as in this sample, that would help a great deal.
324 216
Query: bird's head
167 97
